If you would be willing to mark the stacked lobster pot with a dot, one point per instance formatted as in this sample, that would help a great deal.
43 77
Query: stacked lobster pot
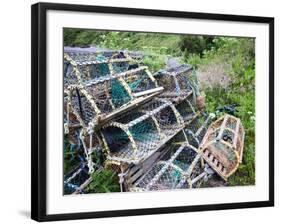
82 67
148 127
177 163
98 88
137 142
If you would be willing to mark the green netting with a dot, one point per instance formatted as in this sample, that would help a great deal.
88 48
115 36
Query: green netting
119 94
134 85
99 70
143 131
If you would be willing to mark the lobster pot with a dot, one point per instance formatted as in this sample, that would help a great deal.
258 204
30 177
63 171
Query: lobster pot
80 68
111 94
178 168
135 136
222 146
132 173
175 82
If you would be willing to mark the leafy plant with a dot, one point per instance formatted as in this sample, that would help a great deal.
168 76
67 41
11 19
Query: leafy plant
103 182
191 44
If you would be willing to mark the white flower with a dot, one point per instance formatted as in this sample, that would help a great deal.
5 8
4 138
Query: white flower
212 115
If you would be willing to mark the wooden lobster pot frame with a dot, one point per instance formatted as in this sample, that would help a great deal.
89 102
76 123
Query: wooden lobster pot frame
90 139
135 136
182 109
91 105
104 98
83 67
222 146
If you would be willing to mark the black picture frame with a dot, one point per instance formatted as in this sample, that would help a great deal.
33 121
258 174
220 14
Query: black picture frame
38 110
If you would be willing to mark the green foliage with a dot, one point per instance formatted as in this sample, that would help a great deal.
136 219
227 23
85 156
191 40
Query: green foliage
155 62
81 37
98 157
239 52
191 44
103 182
162 43
194 60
